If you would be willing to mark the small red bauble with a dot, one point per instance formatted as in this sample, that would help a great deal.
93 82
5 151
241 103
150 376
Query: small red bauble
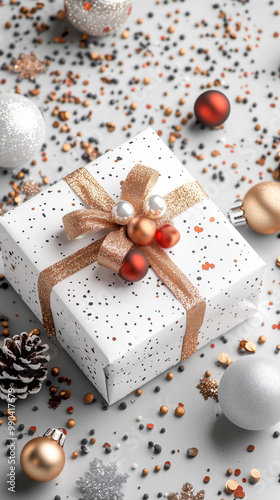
167 236
212 108
134 267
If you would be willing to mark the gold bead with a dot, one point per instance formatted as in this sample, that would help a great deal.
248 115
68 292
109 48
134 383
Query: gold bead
1 422
255 475
180 411
208 373
88 398
65 394
55 371
157 468
169 376
145 472
92 441
71 423
138 392
262 339
75 454
163 409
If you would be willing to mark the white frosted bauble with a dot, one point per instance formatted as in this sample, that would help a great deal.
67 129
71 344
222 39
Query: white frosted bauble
97 17
22 130
155 206
249 392
123 212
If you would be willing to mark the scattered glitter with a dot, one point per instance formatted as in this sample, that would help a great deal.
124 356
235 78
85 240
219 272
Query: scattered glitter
30 188
208 387
29 66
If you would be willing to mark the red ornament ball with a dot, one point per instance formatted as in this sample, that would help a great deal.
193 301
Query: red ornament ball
212 108
167 236
134 267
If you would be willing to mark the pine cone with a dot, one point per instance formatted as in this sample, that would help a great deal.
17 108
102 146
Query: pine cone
22 365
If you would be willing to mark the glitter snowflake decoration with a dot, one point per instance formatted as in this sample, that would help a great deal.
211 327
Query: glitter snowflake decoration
102 482
28 66
208 387
187 493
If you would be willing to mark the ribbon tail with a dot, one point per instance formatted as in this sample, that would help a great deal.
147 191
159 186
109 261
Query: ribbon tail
183 290
80 222
114 249
58 272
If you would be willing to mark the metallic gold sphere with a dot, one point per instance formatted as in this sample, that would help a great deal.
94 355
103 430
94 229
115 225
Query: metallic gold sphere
141 230
261 206
42 459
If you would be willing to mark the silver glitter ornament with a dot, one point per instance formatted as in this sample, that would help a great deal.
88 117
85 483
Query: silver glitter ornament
102 482
249 392
155 206
97 17
123 212
22 130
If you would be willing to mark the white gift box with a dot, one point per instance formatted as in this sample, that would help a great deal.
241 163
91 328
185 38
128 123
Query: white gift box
123 334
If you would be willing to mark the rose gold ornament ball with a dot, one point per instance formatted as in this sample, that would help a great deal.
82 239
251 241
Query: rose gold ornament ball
141 230
42 459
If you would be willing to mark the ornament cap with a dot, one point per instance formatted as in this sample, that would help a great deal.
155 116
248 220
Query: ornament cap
236 214
57 434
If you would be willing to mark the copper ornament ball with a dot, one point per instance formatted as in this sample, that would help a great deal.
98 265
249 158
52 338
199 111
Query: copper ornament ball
141 230
134 267
42 459
212 108
167 236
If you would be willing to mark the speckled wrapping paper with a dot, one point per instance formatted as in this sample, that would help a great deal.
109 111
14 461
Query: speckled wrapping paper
123 334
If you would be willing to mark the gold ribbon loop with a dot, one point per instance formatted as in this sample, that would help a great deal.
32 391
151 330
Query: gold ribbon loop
82 221
138 184
114 249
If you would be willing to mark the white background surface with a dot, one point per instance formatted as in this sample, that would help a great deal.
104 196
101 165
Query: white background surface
221 445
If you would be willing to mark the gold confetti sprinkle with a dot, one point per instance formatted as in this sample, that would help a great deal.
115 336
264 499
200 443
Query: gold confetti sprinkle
29 66
187 493
208 387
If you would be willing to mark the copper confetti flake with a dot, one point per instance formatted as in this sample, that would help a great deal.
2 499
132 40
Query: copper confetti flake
208 387
29 66
187 493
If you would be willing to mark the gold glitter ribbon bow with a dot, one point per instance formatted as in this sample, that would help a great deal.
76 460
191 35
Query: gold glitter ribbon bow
110 250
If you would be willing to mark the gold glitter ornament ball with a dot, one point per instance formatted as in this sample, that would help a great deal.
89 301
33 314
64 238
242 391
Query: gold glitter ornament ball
260 208
22 130
42 459
97 17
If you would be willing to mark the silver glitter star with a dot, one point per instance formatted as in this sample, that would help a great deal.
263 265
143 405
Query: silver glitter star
102 482
29 66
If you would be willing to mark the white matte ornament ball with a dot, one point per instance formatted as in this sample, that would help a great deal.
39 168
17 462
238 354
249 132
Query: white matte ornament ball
155 206
123 212
97 17
22 130
249 392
